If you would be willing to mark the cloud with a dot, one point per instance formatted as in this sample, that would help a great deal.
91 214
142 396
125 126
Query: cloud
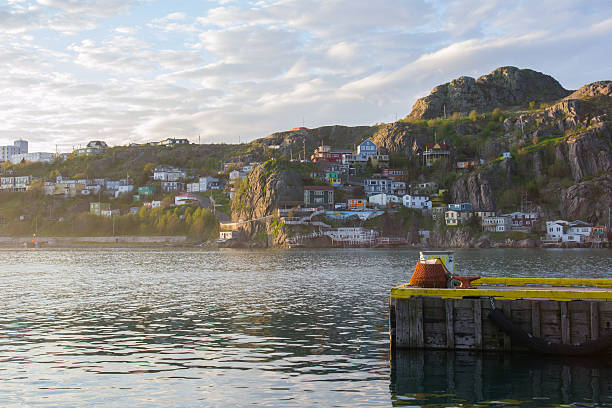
139 70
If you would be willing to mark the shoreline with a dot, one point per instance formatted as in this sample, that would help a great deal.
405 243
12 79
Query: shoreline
186 242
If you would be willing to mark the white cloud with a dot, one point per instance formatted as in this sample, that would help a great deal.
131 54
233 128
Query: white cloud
248 69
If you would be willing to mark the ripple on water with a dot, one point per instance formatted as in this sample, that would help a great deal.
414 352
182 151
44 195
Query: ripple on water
219 328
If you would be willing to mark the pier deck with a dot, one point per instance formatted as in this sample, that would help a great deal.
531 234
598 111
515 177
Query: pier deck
564 311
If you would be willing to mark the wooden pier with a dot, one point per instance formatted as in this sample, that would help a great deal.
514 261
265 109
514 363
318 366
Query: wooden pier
561 311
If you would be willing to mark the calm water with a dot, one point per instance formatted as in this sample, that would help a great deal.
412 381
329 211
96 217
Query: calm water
140 327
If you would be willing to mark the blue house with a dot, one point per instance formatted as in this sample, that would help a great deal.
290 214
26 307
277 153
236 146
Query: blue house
367 148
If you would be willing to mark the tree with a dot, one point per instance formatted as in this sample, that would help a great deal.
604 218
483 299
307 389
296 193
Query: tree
148 168
473 115
497 115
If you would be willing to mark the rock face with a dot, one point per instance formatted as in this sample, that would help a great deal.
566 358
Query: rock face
589 154
588 200
503 88
264 190
474 189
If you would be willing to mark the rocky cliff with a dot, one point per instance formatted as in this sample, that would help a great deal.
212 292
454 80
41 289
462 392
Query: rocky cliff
579 134
268 186
503 88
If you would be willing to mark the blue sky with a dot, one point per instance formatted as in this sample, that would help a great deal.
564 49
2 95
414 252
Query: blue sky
139 70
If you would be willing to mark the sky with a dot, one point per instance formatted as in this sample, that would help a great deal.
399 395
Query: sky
231 70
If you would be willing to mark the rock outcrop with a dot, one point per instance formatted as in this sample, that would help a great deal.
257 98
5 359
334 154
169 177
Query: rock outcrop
588 200
503 88
266 188
475 189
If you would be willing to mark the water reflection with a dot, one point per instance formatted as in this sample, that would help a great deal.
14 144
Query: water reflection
143 327
451 378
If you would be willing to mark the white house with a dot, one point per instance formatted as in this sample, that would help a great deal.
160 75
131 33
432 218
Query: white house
383 199
168 173
497 224
237 174
124 190
204 184
565 231
414 201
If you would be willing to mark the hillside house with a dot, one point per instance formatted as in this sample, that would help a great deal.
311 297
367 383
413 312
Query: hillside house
417 202
484 213
497 224
204 184
469 164
168 173
169 186
96 208
319 196
384 200
326 154
398 188
377 184
457 217
565 231
395 174
172 142
460 206
238 175
523 219
434 151
356 204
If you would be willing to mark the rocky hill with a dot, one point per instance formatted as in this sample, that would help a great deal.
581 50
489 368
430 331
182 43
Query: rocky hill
504 88
563 159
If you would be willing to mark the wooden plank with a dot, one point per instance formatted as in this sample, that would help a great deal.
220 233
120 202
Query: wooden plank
418 323
477 324
508 312
402 324
511 293
450 324
565 324
535 318
594 320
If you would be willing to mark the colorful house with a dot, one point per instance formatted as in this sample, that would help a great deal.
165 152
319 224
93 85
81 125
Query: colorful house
357 204
435 151
327 154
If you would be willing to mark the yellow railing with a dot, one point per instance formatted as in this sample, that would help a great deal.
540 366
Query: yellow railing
562 282
563 289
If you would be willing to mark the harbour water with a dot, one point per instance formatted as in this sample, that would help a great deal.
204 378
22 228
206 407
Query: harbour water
151 327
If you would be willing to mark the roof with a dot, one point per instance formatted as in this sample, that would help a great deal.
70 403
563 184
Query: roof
318 188
441 145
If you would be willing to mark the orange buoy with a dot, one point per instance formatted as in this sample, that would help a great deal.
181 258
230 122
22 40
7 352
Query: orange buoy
430 274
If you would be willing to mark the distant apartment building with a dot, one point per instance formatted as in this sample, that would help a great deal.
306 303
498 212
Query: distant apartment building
33 157
18 147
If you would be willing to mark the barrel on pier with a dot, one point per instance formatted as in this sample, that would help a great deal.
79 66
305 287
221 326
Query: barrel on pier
555 311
